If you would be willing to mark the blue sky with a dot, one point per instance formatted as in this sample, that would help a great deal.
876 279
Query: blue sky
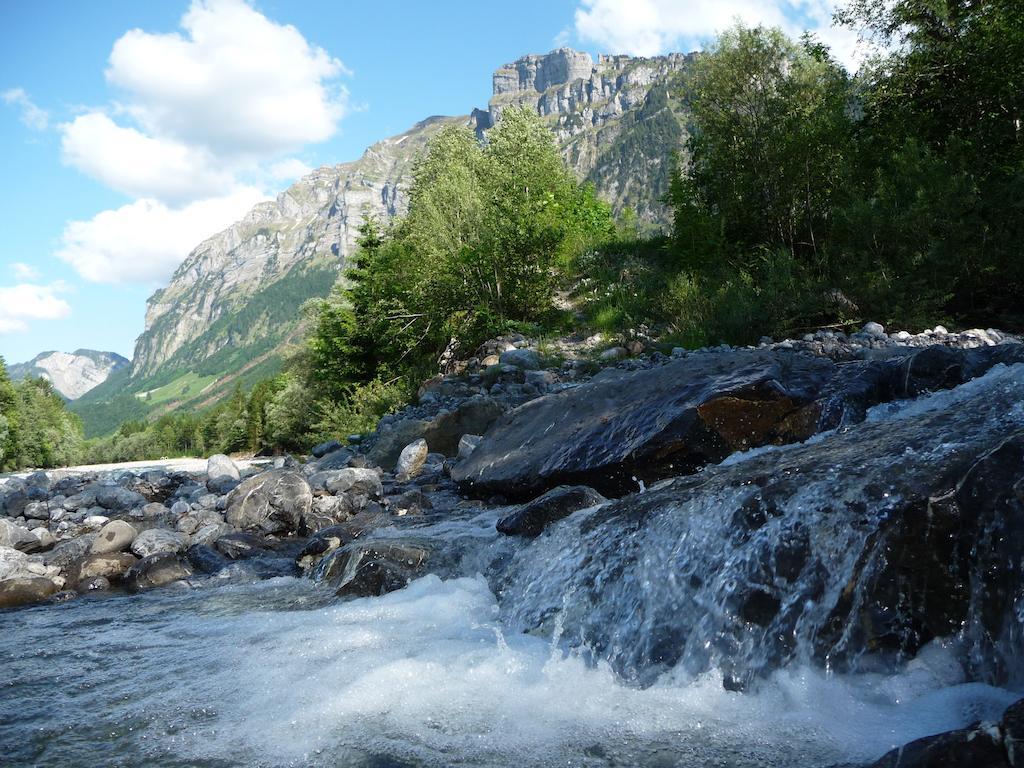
131 130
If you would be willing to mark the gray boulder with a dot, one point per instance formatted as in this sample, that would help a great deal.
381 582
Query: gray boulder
208 534
467 444
115 536
365 482
221 474
271 502
19 538
369 569
110 565
321 450
471 417
158 541
390 442
116 498
411 459
526 359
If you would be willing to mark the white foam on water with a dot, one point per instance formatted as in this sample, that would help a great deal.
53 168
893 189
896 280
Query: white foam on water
428 675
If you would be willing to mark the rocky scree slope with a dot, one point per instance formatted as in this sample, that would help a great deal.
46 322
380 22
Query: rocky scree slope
72 374
840 501
232 303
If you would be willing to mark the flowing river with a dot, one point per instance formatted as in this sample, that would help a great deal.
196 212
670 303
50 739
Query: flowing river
499 659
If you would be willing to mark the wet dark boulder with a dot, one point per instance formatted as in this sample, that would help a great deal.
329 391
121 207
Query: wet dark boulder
157 570
372 568
981 745
333 537
624 429
531 519
206 559
275 501
853 552
322 449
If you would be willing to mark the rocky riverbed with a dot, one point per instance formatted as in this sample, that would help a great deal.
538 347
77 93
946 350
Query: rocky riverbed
831 516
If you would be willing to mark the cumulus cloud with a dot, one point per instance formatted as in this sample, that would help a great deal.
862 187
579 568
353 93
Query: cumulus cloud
204 116
235 82
145 241
24 272
31 115
652 27
26 301
129 161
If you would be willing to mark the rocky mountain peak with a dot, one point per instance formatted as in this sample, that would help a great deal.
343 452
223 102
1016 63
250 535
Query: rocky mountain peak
72 374
538 73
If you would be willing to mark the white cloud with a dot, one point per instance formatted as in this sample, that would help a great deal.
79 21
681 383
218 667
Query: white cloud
146 240
24 272
289 170
235 82
31 115
19 303
139 165
205 116
652 27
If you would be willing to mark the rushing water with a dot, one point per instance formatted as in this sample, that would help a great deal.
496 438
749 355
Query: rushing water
269 674
233 672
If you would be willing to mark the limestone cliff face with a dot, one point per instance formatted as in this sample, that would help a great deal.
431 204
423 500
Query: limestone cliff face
236 297
618 120
72 374
311 225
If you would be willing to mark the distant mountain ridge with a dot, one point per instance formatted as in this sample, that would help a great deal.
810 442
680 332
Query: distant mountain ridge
72 374
232 305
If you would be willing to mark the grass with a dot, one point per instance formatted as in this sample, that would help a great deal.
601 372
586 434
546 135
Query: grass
187 385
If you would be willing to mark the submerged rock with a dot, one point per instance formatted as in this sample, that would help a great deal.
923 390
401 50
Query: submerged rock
367 569
560 502
981 745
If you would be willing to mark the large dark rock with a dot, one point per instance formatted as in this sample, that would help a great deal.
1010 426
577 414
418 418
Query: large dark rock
624 428
560 502
372 568
271 502
206 559
327 540
853 551
156 571
322 449
981 745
